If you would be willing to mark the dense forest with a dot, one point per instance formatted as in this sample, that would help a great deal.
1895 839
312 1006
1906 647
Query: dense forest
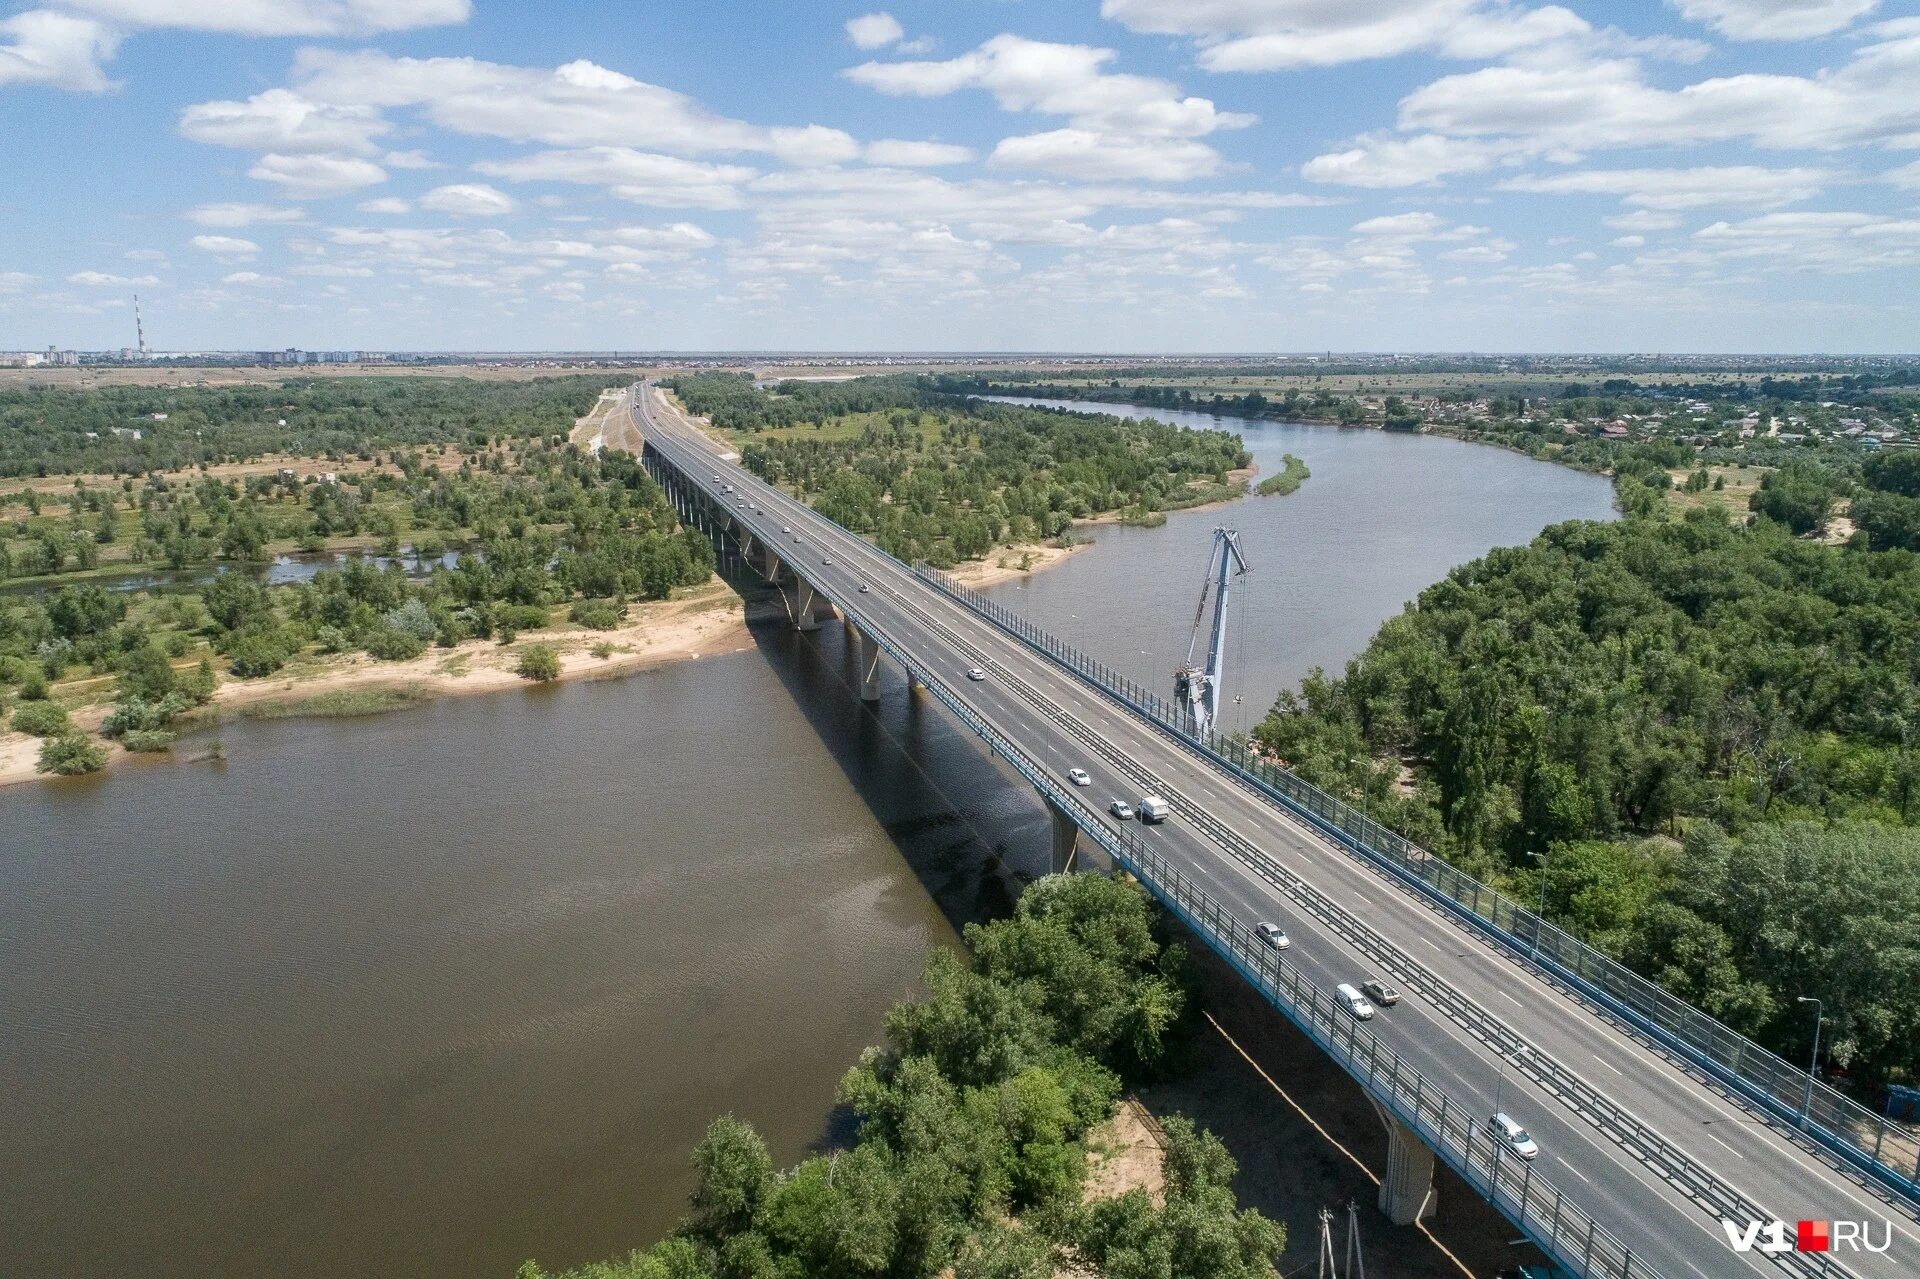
942 478
128 430
1666 714
971 1157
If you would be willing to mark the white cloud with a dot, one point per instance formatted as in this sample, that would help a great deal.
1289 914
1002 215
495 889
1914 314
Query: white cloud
317 175
1628 241
104 279
468 200
283 121
1101 157
874 31
1832 243
580 104
1610 104
239 214
281 17
1056 79
1906 177
14 281
640 176
915 155
1643 220
225 246
55 50
1776 19
1672 189
1271 35
1379 161
249 278
385 204
410 160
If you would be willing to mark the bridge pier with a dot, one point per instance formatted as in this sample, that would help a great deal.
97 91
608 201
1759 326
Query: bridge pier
1407 1193
1066 839
801 605
869 663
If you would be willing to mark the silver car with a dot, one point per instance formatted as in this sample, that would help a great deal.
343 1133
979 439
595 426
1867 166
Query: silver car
1518 1139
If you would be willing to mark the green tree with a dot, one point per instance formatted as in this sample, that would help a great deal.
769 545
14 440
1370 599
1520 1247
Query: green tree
538 662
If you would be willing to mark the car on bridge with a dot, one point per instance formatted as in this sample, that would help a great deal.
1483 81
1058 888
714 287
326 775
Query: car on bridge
1379 992
1354 1002
864 588
1079 777
1153 809
1273 935
1518 1139
1121 809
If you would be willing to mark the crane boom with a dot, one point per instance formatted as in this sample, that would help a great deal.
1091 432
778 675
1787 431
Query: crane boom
1197 689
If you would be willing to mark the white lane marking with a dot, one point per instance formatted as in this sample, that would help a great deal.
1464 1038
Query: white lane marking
1509 998
1724 1146
1575 1171
1610 1066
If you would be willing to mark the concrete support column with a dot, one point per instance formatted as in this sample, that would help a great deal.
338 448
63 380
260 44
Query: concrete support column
1066 839
869 665
1407 1193
802 605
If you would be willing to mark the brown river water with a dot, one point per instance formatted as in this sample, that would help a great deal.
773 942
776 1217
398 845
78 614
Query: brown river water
435 992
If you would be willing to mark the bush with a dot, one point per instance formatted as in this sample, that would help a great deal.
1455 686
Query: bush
390 645
255 655
147 740
136 714
40 719
33 686
538 662
598 615
521 617
71 754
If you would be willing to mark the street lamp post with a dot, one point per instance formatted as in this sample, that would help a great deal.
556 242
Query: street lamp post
1541 859
1813 1062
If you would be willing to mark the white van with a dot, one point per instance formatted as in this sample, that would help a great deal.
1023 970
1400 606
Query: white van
1355 1001
1153 809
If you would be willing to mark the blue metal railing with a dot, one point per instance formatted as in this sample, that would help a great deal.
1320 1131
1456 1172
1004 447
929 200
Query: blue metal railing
1887 1151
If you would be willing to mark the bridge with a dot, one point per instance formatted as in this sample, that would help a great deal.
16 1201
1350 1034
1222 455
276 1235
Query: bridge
1655 1125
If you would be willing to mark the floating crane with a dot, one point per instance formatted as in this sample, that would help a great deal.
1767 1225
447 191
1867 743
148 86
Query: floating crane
1196 690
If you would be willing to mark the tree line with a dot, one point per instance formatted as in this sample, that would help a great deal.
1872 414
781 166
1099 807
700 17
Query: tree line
113 430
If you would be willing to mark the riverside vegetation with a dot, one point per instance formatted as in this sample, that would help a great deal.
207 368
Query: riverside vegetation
973 1127
538 530
1699 738
932 475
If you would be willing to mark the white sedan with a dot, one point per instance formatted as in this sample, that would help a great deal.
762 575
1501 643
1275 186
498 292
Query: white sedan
1079 777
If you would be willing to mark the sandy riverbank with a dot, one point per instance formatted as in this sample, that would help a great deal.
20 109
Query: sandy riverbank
705 622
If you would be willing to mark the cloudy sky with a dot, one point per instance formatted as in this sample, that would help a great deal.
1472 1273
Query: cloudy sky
1178 175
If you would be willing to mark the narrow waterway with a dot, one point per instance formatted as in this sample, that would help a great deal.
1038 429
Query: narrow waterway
1383 516
431 993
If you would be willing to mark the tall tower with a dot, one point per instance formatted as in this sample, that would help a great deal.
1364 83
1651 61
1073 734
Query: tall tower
139 332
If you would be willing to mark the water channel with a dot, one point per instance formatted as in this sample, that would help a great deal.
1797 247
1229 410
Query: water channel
435 992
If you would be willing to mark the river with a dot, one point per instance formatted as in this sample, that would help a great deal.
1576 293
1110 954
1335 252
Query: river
435 992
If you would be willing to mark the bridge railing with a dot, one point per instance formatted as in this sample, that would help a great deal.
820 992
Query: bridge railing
1849 1131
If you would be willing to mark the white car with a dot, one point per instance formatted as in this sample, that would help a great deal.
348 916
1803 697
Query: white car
1079 777
864 588
1518 1140
785 529
1353 1001
975 674
826 563
1271 934
1121 809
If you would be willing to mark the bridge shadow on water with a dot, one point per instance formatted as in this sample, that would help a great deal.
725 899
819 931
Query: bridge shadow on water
973 834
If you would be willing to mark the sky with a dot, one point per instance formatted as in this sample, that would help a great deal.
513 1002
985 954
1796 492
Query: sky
962 175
